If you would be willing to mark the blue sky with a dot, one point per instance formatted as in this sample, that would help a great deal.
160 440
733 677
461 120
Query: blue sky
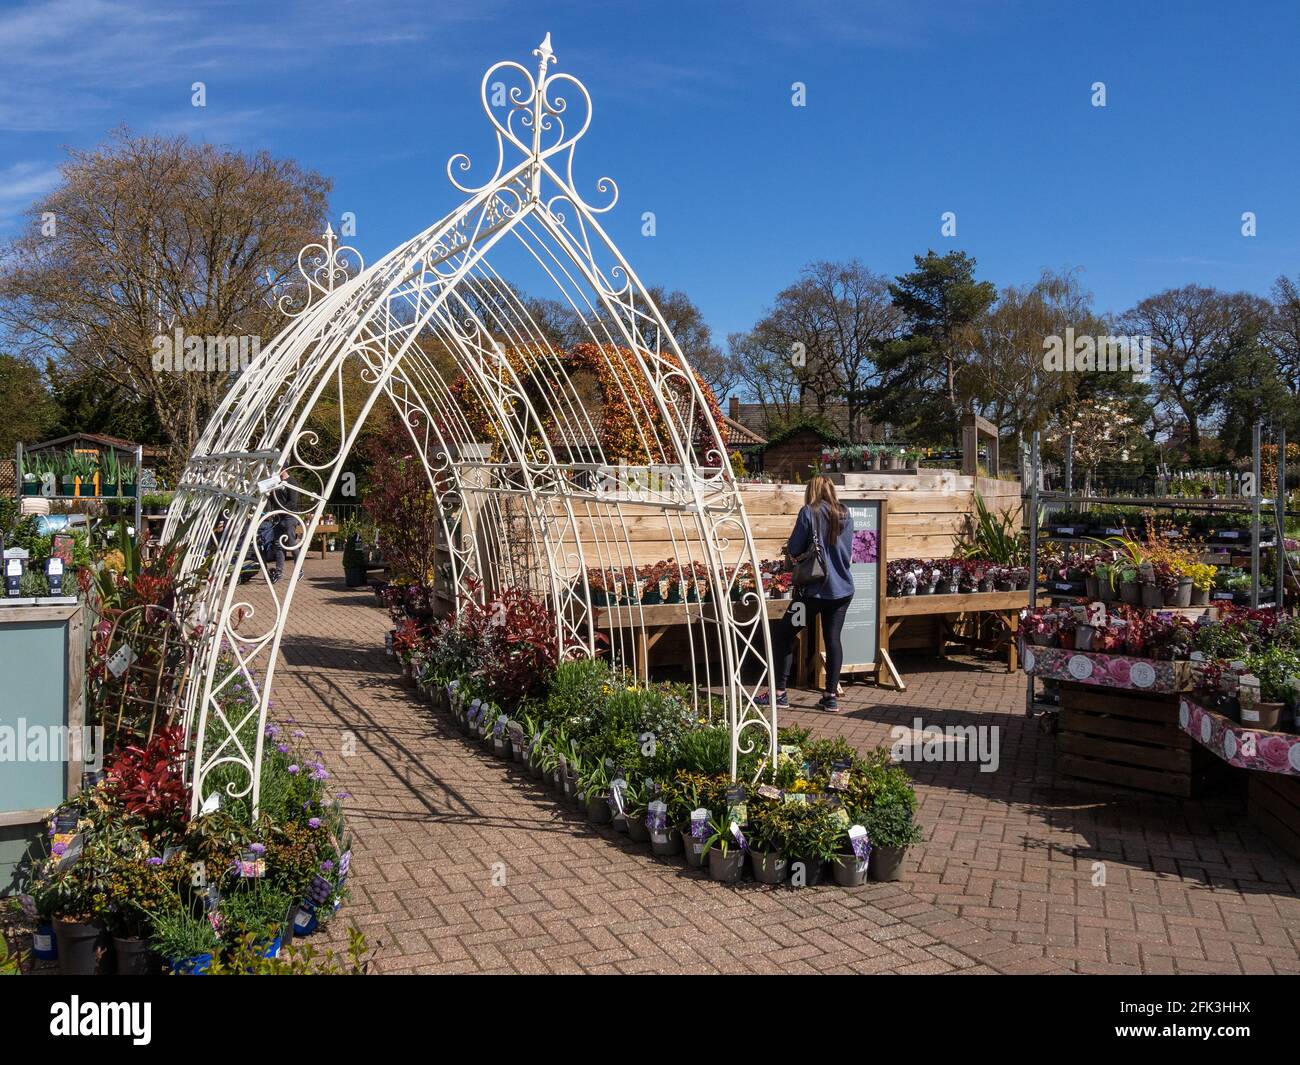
913 109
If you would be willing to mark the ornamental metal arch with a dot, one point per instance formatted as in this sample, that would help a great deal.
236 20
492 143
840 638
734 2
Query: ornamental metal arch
542 502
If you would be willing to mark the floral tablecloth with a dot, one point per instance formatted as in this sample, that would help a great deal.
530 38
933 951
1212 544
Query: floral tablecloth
1106 671
1269 752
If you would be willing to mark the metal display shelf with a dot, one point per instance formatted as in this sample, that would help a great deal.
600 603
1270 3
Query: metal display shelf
1033 496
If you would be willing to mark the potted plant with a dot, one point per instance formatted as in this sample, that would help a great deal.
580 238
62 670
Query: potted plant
634 811
127 476
258 910
852 858
186 942
891 828
767 841
664 839
725 855
65 466
110 473
594 786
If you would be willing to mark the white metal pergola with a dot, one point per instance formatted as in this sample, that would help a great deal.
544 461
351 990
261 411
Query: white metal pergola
436 301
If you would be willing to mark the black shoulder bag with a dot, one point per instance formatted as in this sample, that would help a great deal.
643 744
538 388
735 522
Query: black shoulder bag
810 567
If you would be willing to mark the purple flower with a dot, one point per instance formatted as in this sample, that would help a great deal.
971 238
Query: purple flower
327 866
314 822
283 748
273 731
155 861
293 769
319 773
257 848
344 795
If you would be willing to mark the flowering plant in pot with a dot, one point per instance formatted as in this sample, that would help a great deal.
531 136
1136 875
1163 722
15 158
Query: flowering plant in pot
187 943
1039 626
891 828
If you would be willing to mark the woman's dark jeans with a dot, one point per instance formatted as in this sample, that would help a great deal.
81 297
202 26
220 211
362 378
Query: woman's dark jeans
832 612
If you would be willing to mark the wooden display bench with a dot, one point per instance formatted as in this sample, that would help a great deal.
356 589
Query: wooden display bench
647 625
946 611
1129 738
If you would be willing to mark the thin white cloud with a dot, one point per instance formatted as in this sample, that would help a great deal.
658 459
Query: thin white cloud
23 183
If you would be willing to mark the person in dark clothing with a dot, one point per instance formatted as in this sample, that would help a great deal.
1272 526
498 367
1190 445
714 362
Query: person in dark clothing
827 599
283 525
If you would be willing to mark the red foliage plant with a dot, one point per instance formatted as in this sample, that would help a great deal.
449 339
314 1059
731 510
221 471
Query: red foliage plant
520 646
149 781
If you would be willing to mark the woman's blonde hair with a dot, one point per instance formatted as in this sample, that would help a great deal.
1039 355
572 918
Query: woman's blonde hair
821 490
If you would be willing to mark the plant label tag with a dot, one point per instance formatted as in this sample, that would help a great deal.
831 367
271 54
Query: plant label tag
211 804
736 808
169 853
29 906
616 788
269 484
345 863
859 842
305 916
121 660
388 644
840 771
319 890
739 836
499 726
699 827
656 817
769 791
789 750
71 852
251 867
54 574
795 797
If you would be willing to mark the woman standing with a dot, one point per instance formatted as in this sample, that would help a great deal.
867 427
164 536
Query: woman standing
828 598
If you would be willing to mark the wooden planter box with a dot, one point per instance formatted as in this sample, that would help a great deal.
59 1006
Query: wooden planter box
1273 801
1130 739
1107 670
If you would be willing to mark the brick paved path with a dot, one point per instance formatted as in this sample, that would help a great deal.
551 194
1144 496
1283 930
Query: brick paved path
1003 883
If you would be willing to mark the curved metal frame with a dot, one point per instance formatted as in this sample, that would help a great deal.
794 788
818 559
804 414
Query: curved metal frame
435 298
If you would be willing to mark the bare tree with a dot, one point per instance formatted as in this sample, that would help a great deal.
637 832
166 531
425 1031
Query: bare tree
147 234
824 335
1193 330
686 323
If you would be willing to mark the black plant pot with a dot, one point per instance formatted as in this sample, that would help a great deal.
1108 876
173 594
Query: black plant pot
849 870
598 810
354 576
693 848
887 863
769 868
812 870
636 829
666 843
726 868
84 949
134 958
